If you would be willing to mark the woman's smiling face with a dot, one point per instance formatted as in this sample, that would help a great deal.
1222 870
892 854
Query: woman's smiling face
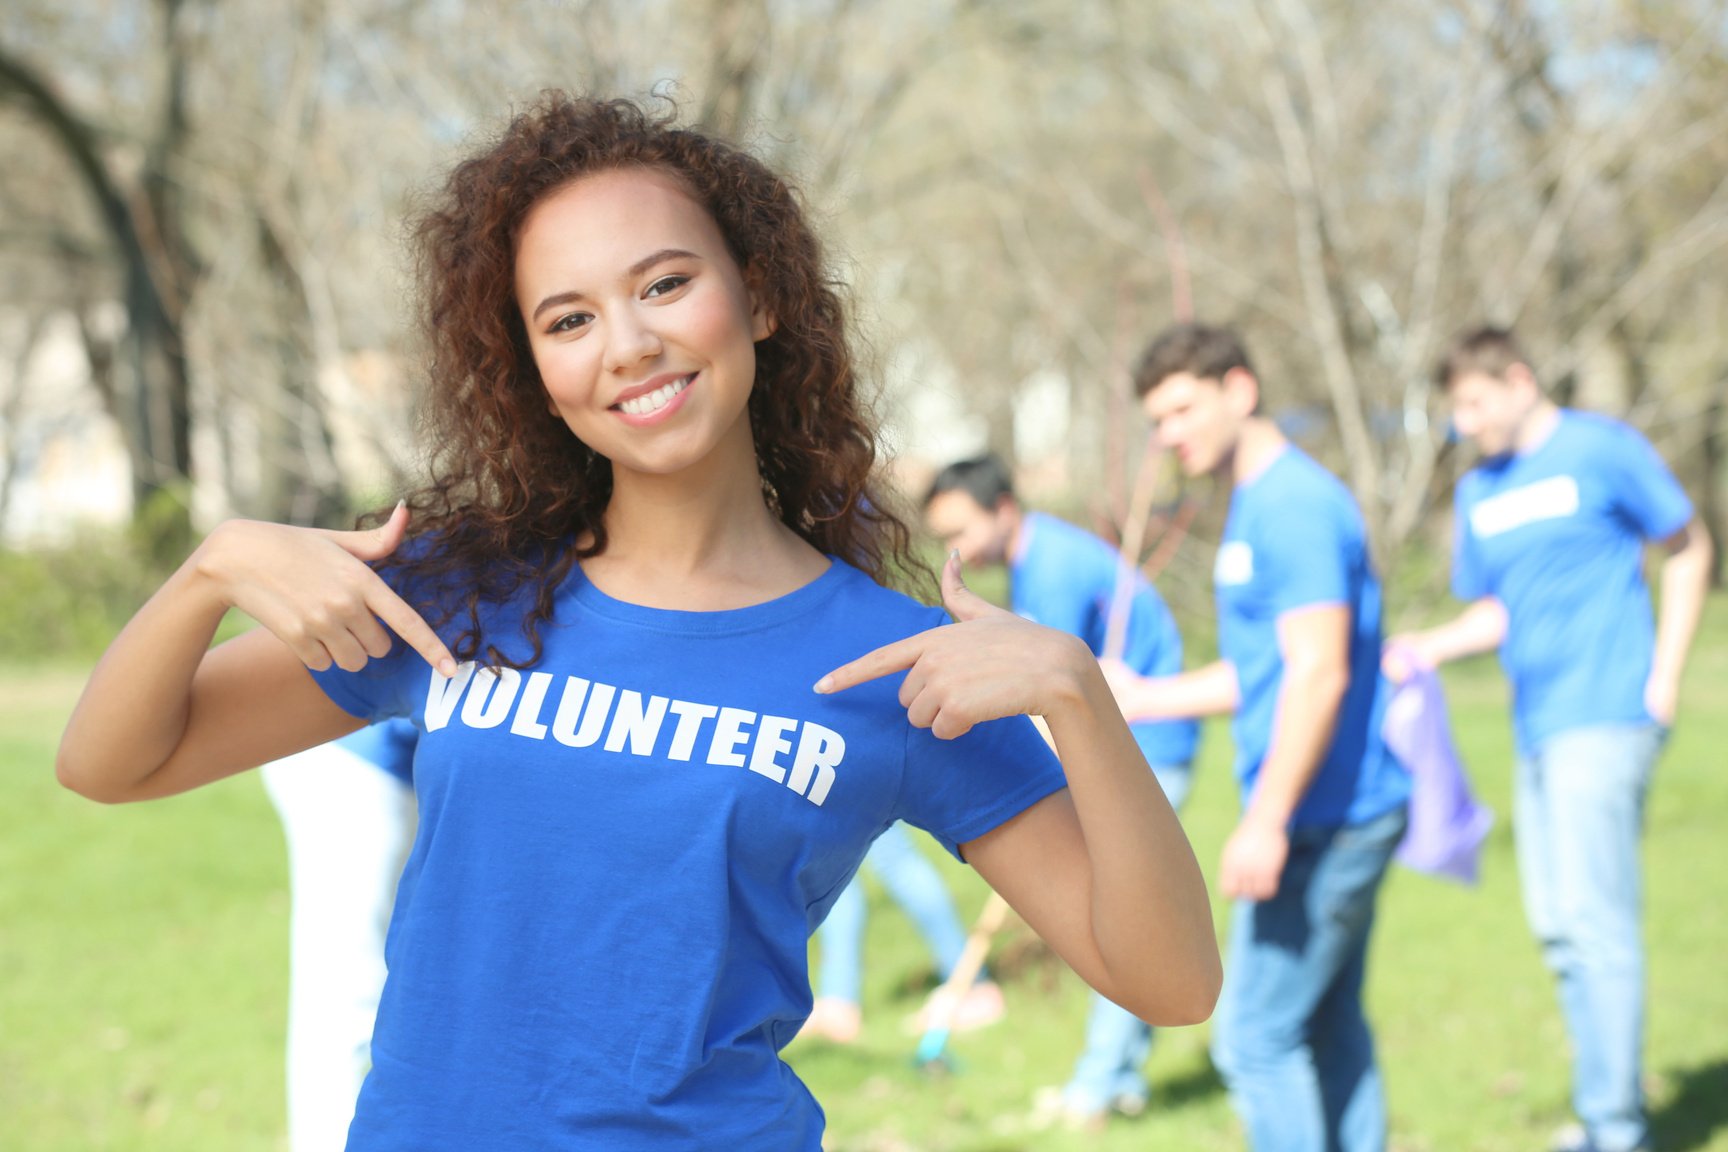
640 321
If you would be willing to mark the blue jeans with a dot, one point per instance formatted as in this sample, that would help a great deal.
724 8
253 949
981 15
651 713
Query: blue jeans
1578 819
1117 1041
1289 1037
916 886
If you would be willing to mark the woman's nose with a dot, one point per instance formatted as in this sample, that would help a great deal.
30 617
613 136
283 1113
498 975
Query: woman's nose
629 340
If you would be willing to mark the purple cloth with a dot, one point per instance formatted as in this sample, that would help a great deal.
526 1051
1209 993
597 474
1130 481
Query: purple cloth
1446 824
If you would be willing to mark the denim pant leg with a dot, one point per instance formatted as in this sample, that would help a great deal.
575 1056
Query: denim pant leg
915 884
1117 1044
1578 819
1343 1044
1289 1037
1117 1041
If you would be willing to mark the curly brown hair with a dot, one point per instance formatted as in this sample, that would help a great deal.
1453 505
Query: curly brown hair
514 499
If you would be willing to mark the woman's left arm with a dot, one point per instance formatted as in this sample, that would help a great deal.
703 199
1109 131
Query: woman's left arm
1101 870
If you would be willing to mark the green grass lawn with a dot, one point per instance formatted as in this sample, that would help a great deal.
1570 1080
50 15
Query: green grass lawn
143 972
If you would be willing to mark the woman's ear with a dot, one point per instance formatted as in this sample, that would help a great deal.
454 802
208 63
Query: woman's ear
763 322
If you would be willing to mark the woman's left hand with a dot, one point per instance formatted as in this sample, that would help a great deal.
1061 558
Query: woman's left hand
988 664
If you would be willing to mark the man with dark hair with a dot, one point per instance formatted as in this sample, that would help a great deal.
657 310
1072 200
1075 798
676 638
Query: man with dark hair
971 506
1205 351
1324 801
1067 578
1548 550
1487 351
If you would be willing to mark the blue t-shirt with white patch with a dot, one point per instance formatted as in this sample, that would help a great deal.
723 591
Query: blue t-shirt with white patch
1295 539
1066 578
389 746
600 939
1557 536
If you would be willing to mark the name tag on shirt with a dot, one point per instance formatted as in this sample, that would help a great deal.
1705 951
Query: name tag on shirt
1549 499
1235 563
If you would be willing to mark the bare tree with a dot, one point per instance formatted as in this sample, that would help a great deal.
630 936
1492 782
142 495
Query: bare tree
1348 183
140 214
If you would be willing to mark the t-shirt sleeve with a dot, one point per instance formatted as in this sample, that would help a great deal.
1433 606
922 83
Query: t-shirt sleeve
391 685
1469 581
959 789
1305 558
1645 490
1064 609
381 689
1062 592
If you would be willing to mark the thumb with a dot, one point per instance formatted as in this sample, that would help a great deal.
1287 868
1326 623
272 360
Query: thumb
371 544
962 603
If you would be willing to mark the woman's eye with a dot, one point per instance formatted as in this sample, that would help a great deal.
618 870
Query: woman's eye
572 322
666 284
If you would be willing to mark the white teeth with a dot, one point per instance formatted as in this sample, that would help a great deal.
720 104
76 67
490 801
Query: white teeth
657 399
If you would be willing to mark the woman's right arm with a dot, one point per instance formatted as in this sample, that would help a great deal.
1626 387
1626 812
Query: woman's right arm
164 712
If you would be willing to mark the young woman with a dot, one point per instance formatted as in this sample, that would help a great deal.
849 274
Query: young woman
666 699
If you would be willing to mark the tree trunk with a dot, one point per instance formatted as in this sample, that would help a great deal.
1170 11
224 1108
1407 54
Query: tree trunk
298 479
1710 508
156 416
12 408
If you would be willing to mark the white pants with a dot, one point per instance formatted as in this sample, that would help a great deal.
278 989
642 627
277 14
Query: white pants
349 825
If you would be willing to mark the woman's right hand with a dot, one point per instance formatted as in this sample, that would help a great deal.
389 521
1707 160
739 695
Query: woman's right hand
314 590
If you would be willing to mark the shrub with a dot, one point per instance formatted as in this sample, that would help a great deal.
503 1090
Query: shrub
68 602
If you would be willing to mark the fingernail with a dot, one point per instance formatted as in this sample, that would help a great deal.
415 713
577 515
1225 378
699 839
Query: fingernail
447 668
954 555
825 685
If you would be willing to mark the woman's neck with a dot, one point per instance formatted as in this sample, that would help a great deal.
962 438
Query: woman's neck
703 539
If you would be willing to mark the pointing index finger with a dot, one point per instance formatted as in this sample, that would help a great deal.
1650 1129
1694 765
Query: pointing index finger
414 631
895 657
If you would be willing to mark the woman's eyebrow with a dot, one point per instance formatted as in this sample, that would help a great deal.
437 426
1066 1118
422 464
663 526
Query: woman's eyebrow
632 272
649 261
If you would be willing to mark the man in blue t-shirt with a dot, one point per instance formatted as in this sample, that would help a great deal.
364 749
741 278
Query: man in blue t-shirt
1067 578
1324 802
1549 539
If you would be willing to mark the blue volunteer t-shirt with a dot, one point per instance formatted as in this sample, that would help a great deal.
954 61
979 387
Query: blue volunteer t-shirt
389 746
1066 578
1295 539
600 938
1557 536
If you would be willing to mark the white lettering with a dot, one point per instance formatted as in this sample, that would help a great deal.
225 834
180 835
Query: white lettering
1234 564
527 721
690 717
631 721
1548 499
442 694
594 716
489 699
819 751
569 711
636 722
728 734
770 742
